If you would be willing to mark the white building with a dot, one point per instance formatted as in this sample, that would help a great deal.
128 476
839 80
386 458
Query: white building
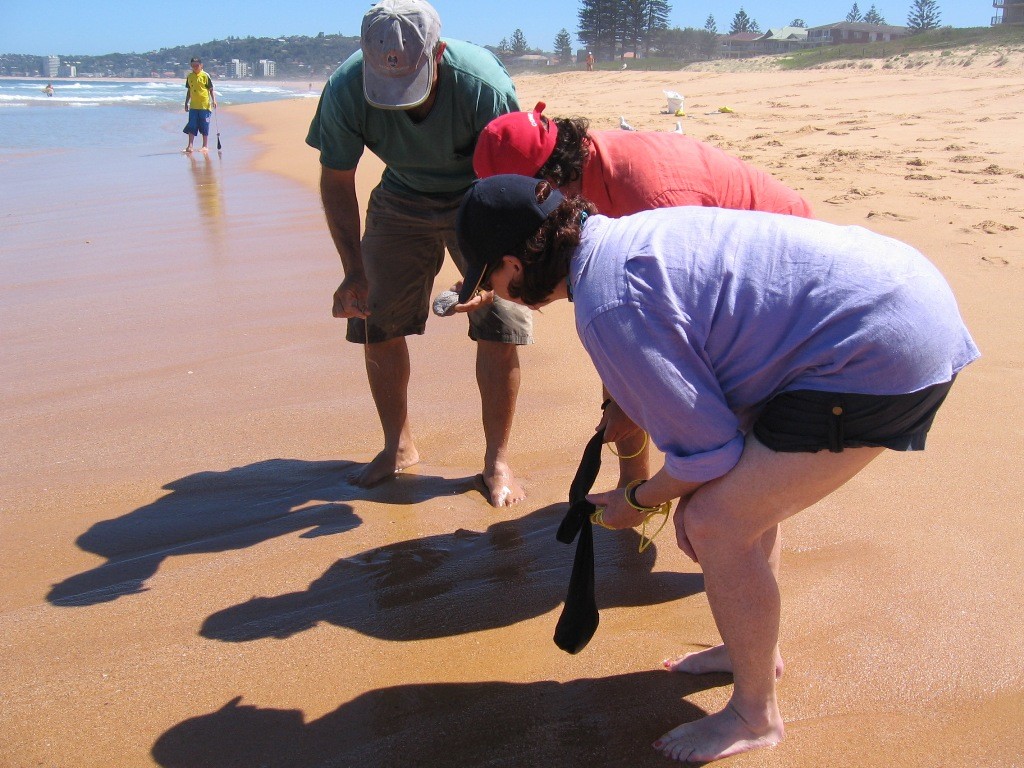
266 68
49 66
239 69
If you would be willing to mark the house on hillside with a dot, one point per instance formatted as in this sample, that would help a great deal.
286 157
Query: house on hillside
1008 12
740 45
856 32
783 39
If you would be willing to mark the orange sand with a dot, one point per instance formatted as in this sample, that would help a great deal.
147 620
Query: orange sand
259 611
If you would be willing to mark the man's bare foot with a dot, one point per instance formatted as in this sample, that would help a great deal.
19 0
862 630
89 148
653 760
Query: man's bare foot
503 490
715 659
719 735
384 466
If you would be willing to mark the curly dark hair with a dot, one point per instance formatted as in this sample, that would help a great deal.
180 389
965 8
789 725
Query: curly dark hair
572 148
545 256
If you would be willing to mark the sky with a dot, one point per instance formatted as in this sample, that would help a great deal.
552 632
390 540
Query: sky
95 27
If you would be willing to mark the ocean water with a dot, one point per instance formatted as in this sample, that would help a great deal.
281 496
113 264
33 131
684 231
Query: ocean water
93 113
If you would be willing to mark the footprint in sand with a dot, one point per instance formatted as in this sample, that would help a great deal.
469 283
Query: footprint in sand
994 227
921 177
889 215
998 261
853 194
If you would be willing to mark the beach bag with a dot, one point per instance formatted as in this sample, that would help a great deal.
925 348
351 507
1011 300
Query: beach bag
580 618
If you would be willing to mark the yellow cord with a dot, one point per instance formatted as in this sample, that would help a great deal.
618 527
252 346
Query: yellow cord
632 455
597 517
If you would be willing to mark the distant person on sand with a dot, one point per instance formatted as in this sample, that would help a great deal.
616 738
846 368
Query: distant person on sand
770 357
199 99
48 90
419 102
590 61
624 172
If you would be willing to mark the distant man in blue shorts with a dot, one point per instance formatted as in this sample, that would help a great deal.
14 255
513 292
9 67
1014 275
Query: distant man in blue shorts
419 103
199 99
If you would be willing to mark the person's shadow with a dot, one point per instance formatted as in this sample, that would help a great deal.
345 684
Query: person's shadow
221 511
456 583
609 721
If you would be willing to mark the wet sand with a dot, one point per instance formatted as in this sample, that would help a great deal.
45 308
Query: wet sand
189 580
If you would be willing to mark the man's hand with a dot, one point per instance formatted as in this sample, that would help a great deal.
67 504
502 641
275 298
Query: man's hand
350 300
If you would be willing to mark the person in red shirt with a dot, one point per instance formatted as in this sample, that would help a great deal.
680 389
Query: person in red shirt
625 172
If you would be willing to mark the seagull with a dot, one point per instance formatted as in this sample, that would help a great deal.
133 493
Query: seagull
624 125
679 127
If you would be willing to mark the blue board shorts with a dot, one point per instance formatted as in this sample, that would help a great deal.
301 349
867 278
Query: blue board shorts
198 122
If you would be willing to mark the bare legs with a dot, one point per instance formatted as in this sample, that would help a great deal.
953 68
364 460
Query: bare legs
631 443
716 658
498 375
729 524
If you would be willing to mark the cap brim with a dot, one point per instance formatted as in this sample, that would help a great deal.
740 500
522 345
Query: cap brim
472 281
398 92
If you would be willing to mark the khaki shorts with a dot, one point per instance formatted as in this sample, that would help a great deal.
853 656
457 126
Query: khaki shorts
403 250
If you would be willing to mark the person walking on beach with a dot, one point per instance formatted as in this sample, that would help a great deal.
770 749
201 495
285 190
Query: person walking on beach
590 61
419 103
199 100
625 172
770 357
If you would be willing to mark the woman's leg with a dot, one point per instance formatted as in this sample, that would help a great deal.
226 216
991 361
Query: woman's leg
726 522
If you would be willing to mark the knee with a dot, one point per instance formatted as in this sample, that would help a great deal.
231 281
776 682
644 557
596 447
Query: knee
711 525
703 525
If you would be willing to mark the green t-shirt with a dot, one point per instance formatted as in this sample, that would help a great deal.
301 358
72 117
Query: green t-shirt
431 157
199 85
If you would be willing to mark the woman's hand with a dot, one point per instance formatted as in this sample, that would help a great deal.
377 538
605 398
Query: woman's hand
618 514
479 299
617 425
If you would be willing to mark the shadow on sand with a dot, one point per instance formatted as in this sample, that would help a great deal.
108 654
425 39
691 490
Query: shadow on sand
456 583
608 721
234 509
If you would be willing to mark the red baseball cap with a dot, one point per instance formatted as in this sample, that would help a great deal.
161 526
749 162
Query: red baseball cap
518 142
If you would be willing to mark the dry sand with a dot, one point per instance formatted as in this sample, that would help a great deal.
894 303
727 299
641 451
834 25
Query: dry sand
190 582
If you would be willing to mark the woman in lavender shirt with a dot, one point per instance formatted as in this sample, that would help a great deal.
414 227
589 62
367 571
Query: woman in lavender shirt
770 358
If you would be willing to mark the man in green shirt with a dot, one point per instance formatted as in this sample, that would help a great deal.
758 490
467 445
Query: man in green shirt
418 102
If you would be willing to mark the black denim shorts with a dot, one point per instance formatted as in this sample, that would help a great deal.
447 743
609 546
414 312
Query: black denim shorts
807 421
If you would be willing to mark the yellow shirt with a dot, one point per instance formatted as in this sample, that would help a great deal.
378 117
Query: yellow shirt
199 87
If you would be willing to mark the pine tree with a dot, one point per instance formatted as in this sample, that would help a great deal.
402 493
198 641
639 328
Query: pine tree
599 26
710 26
924 14
518 43
873 16
854 14
740 22
503 45
754 27
642 20
798 23
563 46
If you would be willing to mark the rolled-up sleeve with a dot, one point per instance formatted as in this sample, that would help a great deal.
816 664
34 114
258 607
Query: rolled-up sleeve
659 376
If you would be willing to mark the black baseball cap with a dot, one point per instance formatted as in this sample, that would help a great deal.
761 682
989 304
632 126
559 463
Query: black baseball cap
496 217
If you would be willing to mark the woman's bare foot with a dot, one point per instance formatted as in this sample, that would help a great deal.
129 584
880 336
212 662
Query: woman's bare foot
720 735
714 659
502 488
384 466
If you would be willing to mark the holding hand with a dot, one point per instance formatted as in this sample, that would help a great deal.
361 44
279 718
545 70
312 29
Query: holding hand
351 298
